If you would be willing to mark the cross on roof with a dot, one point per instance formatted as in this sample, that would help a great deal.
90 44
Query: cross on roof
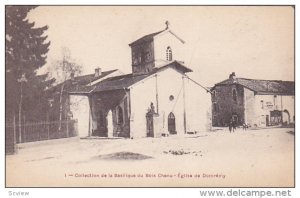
167 24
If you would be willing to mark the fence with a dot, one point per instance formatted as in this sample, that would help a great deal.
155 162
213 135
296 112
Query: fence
38 131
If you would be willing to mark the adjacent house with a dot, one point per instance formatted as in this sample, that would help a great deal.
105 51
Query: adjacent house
254 102
61 106
157 98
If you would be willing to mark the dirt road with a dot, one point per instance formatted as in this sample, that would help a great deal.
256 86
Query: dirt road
255 158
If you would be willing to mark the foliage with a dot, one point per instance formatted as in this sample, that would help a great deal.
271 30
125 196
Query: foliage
26 47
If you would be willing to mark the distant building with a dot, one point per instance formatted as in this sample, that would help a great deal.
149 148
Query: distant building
157 98
254 102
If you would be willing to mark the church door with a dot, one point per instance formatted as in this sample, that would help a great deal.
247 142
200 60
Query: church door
171 124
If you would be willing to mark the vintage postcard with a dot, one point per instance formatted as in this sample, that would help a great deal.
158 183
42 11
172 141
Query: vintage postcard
150 96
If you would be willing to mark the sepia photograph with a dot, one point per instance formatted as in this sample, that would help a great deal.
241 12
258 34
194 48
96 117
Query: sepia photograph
149 96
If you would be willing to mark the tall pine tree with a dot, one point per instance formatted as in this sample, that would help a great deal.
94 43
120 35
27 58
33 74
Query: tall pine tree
25 51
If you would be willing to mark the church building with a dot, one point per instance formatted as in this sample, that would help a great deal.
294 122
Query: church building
156 99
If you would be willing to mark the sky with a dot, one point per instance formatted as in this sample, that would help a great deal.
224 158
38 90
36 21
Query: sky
252 41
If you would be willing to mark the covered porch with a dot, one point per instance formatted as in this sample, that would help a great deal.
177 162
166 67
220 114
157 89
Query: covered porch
110 113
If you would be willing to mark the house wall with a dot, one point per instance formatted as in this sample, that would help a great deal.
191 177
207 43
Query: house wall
264 104
161 42
224 107
80 108
262 107
250 102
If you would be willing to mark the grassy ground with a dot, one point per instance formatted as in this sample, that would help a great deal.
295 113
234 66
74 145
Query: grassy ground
253 158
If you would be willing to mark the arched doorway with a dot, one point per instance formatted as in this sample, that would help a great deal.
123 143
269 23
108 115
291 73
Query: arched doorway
285 117
171 124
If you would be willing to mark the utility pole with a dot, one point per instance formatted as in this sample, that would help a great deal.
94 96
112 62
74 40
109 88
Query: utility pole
21 81
156 89
184 111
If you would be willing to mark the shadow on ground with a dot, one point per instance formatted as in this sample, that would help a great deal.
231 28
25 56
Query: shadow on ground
123 156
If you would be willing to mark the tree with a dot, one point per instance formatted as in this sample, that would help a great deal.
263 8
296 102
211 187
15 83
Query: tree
25 53
64 70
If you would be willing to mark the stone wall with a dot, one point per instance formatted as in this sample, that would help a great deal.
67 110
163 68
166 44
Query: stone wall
224 106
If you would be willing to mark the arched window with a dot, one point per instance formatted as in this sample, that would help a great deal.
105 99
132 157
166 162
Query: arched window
171 123
234 95
119 115
169 54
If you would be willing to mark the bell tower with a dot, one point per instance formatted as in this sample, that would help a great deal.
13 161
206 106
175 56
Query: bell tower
154 50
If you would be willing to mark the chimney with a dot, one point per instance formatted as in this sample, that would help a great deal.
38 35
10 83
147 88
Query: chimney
97 72
72 75
232 75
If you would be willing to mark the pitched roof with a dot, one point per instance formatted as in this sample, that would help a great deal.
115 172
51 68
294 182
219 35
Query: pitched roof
147 37
79 81
125 81
86 79
263 86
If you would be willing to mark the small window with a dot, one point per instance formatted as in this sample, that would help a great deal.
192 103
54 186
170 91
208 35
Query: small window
262 104
169 54
234 95
171 97
119 115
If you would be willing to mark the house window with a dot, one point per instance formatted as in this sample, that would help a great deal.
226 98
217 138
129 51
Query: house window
169 54
119 115
234 95
262 104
